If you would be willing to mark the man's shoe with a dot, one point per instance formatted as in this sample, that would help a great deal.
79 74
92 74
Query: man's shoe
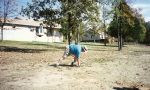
72 64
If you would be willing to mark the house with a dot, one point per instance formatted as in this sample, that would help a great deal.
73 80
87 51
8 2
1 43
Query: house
29 30
97 37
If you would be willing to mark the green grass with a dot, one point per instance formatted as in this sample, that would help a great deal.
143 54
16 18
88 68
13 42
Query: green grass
33 45
56 46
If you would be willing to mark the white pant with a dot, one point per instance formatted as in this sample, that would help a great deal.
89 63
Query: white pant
66 52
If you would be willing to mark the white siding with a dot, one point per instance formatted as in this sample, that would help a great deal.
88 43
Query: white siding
96 37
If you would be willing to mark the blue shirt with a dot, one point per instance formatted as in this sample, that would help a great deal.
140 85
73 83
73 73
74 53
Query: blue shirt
75 50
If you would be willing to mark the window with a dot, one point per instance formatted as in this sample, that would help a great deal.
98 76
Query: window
39 30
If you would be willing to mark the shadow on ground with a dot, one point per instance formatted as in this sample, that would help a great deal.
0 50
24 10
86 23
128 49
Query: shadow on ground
62 65
22 50
125 88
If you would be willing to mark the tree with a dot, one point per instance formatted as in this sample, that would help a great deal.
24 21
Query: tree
123 19
132 24
69 13
139 29
93 28
7 9
77 11
79 33
105 5
147 36
45 10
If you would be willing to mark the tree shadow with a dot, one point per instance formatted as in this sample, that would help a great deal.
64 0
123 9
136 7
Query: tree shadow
21 50
89 44
101 50
108 45
125 88
99 44
147 44
47 45
142 52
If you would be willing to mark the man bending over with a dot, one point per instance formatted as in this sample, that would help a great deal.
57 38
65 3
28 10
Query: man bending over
75 50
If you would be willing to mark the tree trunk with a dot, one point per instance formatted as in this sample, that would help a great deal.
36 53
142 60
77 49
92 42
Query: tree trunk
94 40
120 29
78 36
2 33
120 40
105 40
69 23
104 34
119 36
69 28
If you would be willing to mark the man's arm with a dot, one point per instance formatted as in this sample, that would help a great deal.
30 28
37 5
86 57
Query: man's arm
66 52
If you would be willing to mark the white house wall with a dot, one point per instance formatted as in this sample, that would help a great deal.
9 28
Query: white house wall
25 34
88 37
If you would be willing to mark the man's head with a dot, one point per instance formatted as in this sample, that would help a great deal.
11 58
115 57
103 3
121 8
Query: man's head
84 49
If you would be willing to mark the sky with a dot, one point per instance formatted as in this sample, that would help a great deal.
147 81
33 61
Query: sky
21 3
144 5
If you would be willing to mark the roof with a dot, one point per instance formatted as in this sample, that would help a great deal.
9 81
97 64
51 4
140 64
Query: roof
26 23
23 23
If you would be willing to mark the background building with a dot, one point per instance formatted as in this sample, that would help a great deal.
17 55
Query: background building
30 30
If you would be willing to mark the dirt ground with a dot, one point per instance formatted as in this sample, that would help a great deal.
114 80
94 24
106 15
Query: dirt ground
102 68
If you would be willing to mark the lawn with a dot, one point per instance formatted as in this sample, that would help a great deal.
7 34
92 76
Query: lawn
30 66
